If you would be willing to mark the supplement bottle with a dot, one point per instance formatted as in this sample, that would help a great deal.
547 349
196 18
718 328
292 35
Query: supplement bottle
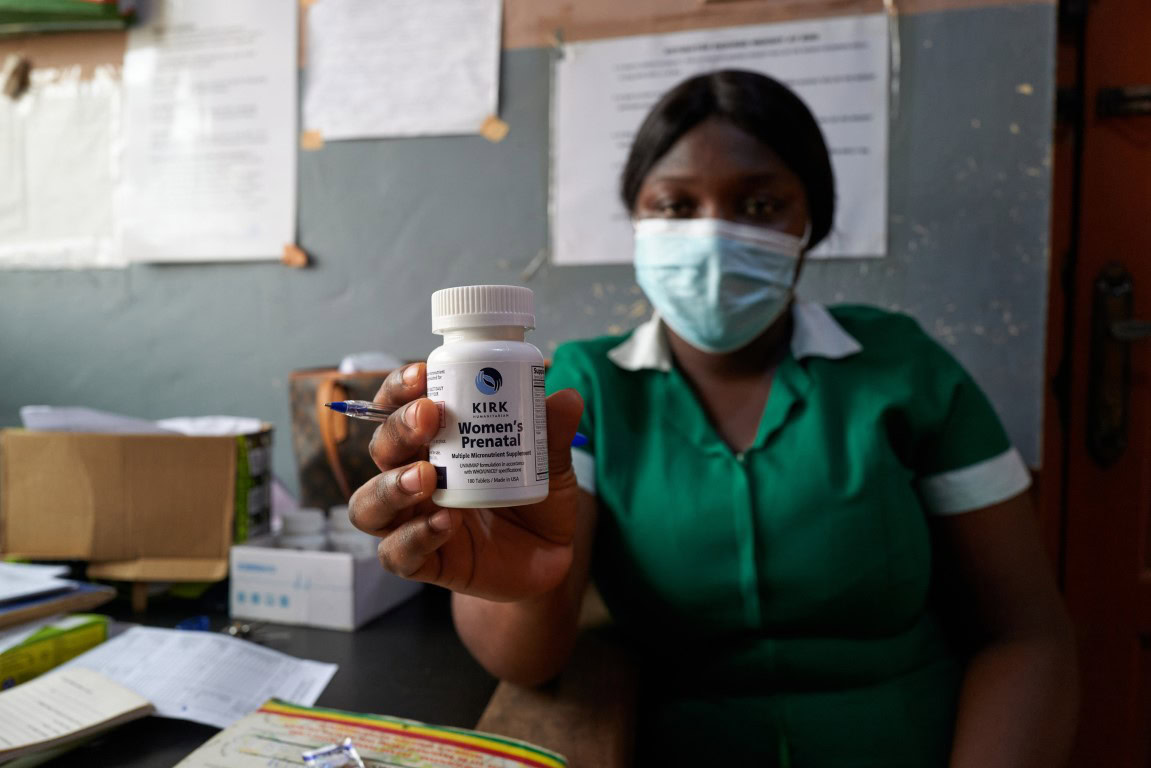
488 384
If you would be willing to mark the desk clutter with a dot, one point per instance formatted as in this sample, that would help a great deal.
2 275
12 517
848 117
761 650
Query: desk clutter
261 699
185 502
70 679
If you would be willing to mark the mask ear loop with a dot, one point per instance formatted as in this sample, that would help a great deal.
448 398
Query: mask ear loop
799 261
806 237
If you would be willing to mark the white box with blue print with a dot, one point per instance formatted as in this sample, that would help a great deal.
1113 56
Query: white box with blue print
334 590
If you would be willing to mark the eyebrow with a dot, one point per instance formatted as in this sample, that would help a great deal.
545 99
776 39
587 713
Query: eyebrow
761 176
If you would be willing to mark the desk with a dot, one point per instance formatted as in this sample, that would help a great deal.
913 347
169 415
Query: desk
407 663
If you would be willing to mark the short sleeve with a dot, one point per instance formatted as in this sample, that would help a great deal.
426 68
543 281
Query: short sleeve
569 370
963 458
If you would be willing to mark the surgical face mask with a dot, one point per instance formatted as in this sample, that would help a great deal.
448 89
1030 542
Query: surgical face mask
716 283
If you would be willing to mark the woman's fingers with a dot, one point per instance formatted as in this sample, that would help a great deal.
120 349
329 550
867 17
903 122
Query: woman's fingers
554 518
564 409
411 550
375 505
403 385
403 436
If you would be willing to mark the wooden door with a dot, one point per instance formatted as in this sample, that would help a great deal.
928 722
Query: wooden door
1105 462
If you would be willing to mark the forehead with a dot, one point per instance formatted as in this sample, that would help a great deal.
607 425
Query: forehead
716 147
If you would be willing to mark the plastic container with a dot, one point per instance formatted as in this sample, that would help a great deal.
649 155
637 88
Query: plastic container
488 382
304 528
338 519
345 537
354 543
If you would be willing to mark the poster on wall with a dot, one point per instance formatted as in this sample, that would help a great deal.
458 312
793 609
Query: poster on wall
387 68
209 170
58 165
604 88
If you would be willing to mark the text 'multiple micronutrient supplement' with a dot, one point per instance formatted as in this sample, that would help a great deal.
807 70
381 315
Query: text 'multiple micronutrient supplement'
488 384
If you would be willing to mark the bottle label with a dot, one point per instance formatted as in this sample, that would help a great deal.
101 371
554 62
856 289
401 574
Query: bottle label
493 425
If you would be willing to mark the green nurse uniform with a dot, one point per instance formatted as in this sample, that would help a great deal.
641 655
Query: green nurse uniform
779 599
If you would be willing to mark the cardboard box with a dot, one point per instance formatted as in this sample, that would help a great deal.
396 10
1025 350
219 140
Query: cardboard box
335 590
137 507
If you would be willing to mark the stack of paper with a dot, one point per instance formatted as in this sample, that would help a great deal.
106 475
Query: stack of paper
19 581
30 592
204 676
77 418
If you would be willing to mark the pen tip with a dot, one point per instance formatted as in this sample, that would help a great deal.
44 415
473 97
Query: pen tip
338 407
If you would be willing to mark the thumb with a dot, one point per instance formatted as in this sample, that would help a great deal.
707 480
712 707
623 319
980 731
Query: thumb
564 410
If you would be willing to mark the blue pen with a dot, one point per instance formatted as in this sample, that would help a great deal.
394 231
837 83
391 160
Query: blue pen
368 411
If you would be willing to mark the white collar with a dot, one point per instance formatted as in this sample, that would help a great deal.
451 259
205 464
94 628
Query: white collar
815 333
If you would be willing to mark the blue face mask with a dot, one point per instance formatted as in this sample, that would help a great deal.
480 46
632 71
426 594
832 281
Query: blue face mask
716 283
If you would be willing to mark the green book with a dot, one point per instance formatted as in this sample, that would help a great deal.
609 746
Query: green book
26 16
49 646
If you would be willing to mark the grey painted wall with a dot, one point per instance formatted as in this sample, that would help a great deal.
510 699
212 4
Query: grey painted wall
388 222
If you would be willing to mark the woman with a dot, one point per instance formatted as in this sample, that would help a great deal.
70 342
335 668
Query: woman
809 523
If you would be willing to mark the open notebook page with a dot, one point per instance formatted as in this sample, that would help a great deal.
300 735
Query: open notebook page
60 706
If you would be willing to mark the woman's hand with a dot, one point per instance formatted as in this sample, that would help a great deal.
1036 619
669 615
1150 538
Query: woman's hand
501 554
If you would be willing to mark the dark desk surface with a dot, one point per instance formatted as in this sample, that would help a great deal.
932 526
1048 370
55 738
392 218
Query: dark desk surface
407 663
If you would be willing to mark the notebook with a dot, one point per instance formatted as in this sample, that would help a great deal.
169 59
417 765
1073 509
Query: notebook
62 706
279 732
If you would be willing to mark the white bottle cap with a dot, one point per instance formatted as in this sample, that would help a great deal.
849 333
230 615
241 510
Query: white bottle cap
338 519
476 306
304 521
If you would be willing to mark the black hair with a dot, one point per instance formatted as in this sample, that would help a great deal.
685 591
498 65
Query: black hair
756 104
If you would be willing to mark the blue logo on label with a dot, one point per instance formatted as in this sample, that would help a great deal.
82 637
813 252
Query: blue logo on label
489 381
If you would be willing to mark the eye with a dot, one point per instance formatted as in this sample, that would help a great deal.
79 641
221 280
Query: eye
761 207
672 208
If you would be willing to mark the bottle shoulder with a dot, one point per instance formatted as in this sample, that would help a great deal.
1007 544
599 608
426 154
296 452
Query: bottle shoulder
486 351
